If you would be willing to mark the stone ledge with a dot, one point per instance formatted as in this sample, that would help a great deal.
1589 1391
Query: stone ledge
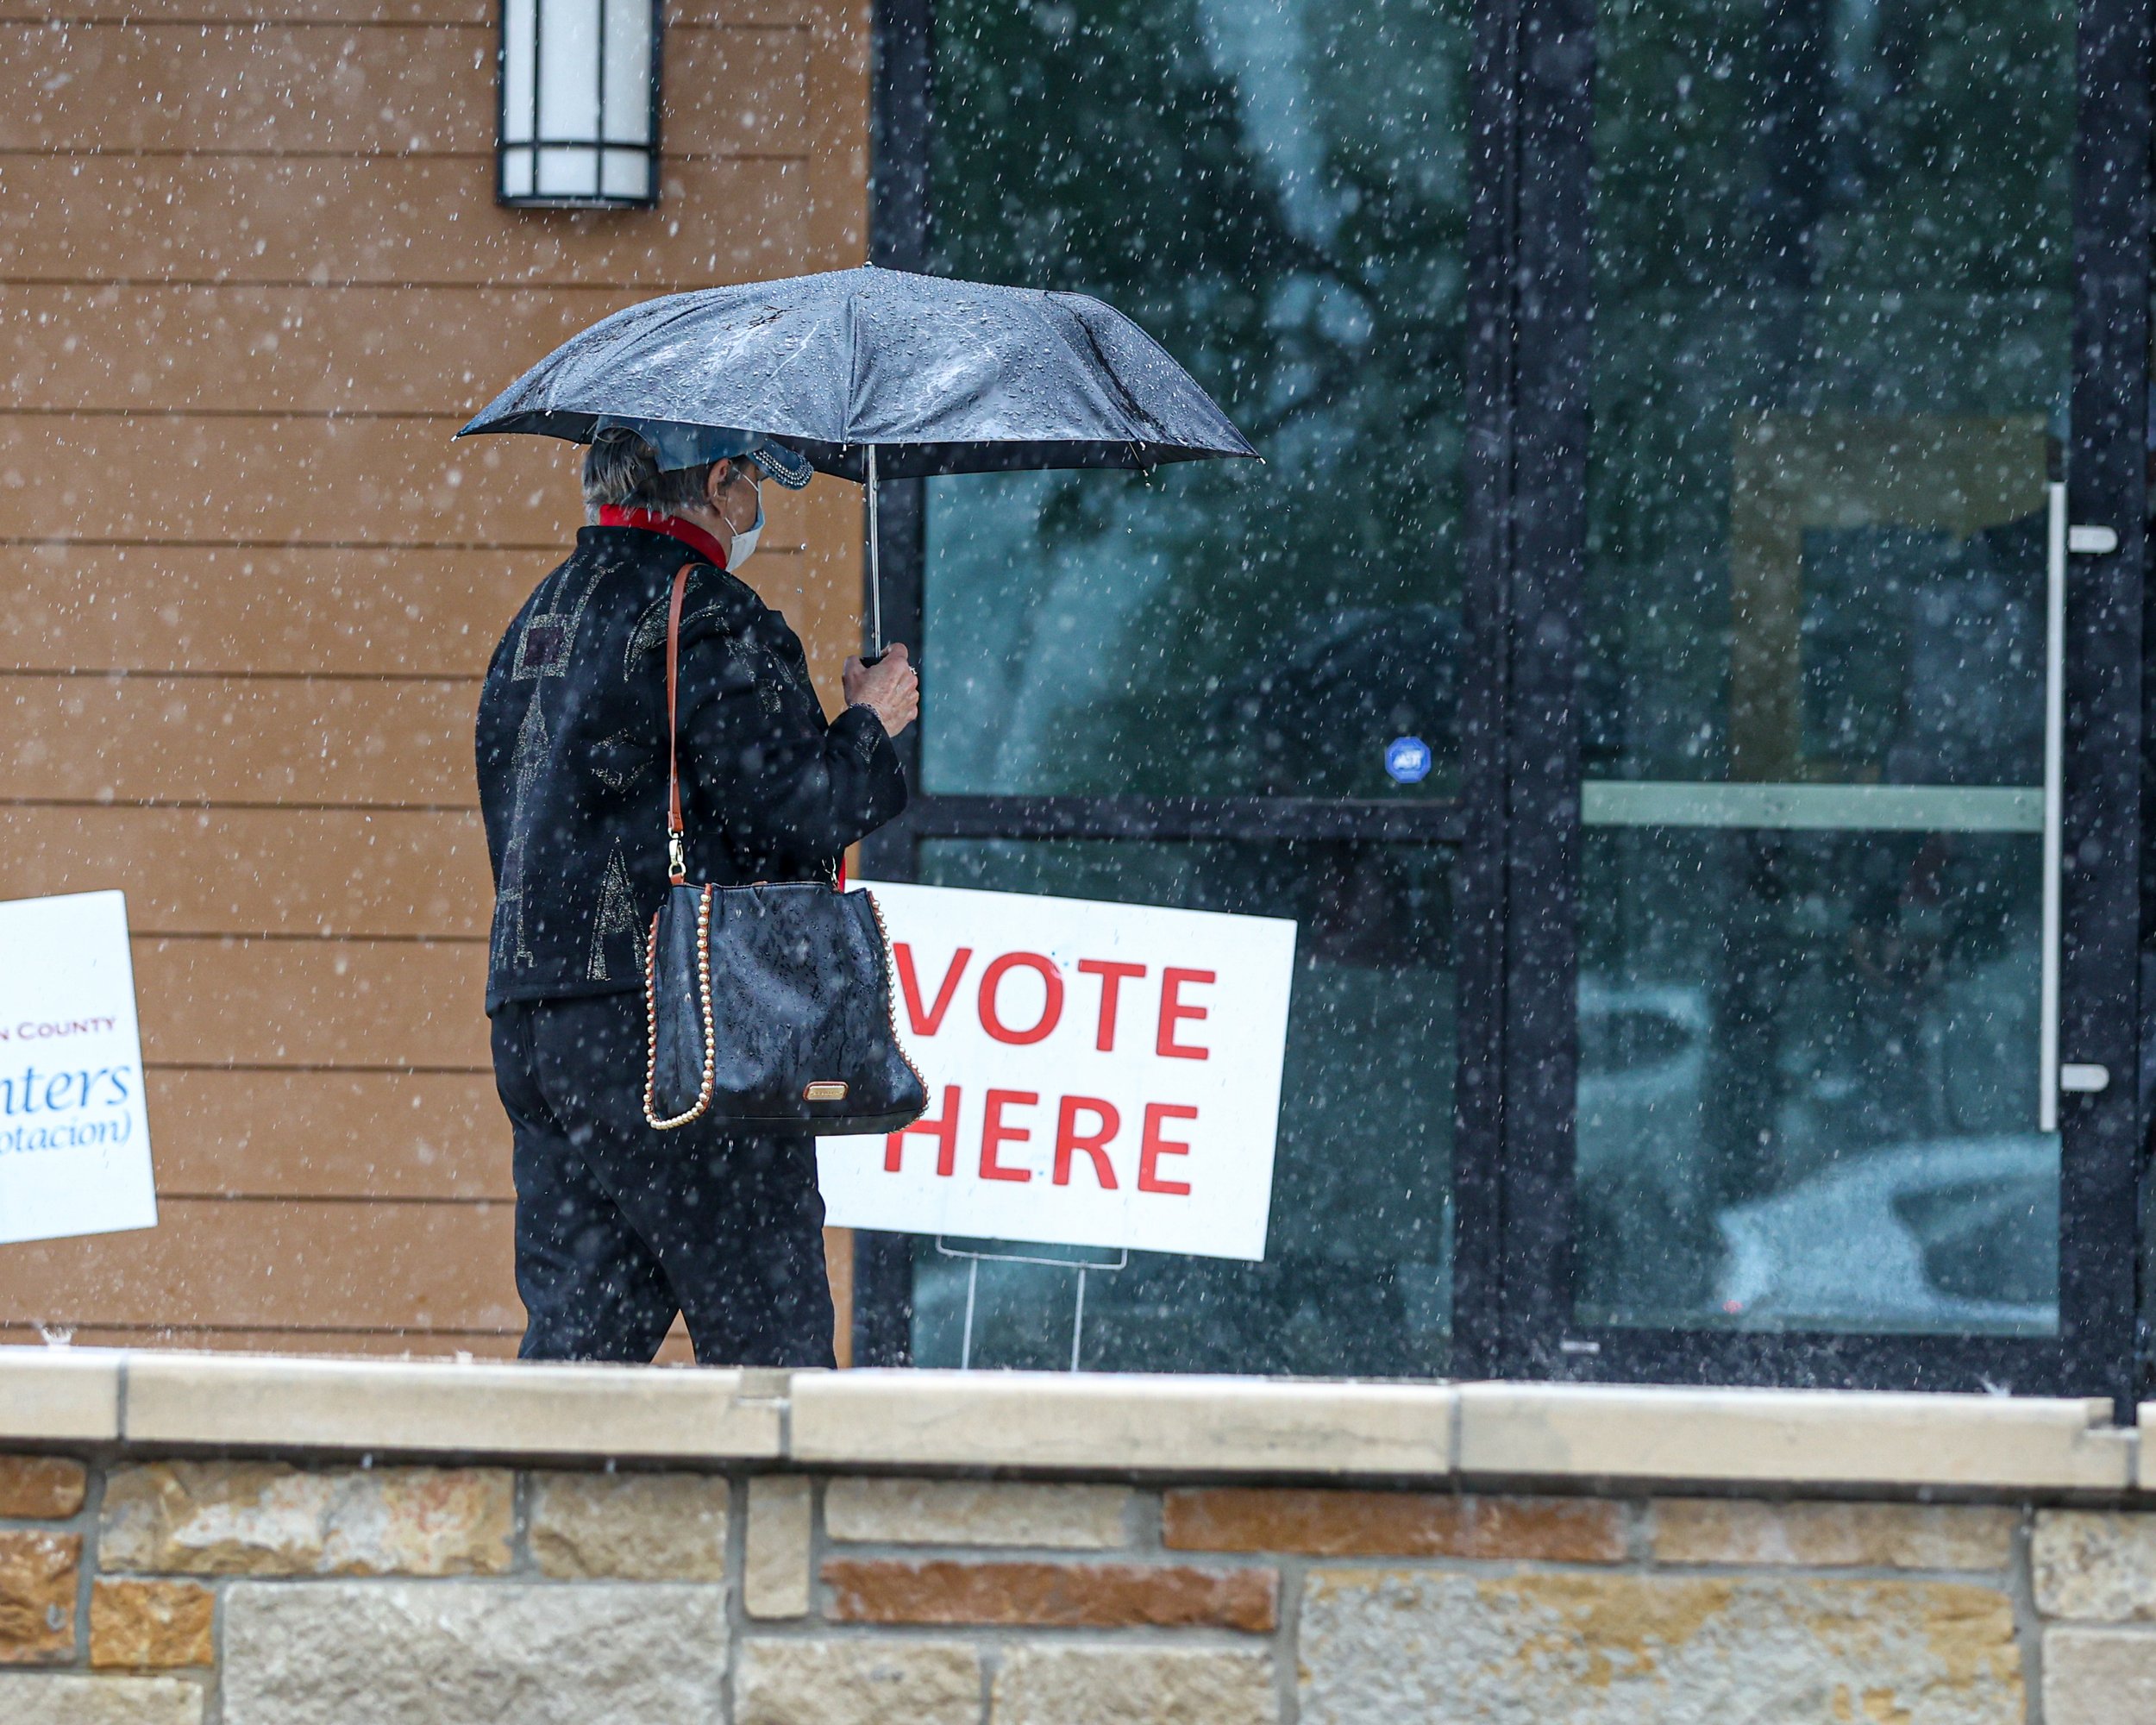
1134 1423
1812 1437
1188 1428
240 1402
411 1407
59 1394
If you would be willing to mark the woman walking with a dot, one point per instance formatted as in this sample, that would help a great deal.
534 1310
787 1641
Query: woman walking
619 1226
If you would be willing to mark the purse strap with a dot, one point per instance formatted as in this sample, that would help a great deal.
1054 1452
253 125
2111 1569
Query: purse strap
677 856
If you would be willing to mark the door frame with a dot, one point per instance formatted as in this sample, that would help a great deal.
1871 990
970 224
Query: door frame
1529 787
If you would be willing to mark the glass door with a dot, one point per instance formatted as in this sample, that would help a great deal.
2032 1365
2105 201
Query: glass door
1817 1085
1830 638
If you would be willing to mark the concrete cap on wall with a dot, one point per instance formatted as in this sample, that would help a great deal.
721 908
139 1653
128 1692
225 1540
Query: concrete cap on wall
1055 1422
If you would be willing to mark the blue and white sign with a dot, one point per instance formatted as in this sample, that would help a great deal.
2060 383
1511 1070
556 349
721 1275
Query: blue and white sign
1408 760
74 1137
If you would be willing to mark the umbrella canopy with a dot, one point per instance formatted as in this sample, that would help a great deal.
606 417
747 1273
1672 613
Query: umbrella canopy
937 376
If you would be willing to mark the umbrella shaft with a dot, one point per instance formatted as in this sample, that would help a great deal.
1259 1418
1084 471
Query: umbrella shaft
875 568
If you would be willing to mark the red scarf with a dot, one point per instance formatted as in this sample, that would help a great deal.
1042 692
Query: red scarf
612 515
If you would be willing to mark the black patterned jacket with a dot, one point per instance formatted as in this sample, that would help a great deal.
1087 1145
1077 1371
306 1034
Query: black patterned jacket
573 761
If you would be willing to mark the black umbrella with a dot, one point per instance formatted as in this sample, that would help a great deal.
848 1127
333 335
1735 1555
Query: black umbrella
874 372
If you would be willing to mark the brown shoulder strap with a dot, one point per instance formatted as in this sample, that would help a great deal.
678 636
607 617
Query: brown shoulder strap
677 863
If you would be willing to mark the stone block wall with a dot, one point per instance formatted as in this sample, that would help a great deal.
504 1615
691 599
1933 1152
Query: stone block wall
227 1592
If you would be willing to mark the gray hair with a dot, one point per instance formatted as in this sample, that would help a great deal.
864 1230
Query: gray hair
621 470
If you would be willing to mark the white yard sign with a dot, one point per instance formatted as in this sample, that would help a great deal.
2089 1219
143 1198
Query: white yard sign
74 1139
1097 1074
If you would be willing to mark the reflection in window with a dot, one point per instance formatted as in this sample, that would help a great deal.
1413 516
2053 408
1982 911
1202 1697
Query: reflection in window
1277 192
1832 294
1358 1272
1807 1083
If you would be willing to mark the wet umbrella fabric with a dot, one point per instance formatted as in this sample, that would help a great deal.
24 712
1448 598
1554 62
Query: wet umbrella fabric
937 376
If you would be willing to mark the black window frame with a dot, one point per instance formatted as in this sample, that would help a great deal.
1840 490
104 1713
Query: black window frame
1515 826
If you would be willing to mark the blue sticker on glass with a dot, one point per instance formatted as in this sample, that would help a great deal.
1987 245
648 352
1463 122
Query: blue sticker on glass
1407 759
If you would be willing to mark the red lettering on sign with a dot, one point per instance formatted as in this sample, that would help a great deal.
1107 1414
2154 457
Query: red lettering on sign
1173 1012
1052 1008
994 1134
925 1023
1111 971
1069 1140
1152 1146
943 1129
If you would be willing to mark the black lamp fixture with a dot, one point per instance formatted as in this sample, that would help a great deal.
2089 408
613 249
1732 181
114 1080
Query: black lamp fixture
579 121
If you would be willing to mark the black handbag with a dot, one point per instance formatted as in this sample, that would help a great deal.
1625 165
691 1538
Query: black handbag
769 1006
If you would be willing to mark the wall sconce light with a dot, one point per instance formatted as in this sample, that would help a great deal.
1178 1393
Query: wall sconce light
579 121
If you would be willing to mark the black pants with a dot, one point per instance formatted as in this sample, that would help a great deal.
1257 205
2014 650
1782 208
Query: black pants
619 1226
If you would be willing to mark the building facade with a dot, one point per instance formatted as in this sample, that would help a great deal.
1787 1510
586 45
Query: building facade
255 278
1714 430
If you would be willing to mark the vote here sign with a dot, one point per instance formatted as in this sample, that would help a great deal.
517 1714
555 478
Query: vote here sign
1097 1074
74 1139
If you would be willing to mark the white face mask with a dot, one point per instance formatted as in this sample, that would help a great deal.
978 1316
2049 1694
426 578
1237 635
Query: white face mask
744 545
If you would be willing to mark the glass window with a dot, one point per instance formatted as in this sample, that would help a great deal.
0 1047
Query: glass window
1277 192
1357 1271
1833 277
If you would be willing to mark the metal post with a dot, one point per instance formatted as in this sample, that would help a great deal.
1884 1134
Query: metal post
1078 1318
965 1342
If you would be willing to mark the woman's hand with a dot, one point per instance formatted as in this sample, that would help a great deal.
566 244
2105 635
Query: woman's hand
891 686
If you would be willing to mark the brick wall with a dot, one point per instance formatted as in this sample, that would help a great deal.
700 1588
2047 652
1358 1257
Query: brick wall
254 278
247 1592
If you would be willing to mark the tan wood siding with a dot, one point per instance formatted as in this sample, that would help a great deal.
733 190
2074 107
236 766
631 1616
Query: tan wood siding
349 350
261 1264
339 741
392 873
393 220
254 279
274 480
394 1004
397 1344
249 479
289 89
250 1134
69 14
838 21
272 611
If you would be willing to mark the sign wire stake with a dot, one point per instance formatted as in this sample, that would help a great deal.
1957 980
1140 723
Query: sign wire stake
1078 1318
965 1342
